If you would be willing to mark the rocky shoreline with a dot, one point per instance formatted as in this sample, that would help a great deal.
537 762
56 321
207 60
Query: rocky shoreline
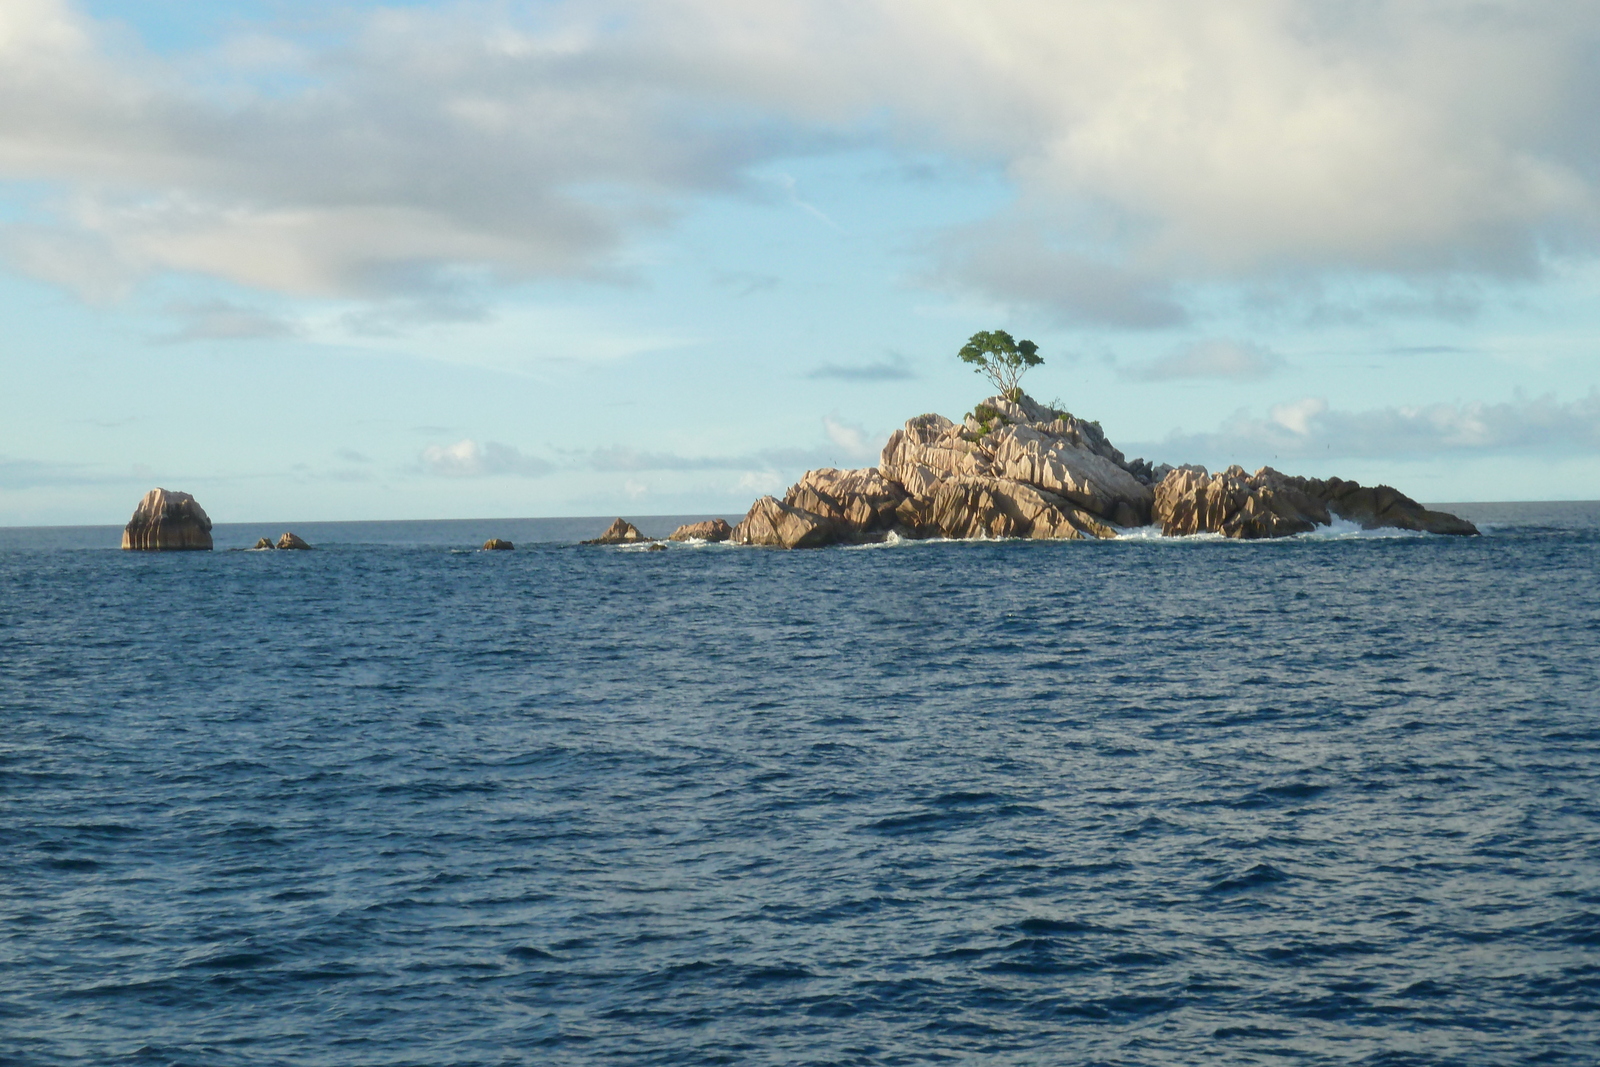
1016 468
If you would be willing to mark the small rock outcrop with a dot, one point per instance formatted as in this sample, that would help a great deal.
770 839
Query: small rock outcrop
262 544
167 521
620 532
1015 468
290 540
494 544
710 530
655 546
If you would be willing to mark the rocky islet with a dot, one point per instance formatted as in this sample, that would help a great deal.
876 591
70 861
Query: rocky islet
1016 468
168 521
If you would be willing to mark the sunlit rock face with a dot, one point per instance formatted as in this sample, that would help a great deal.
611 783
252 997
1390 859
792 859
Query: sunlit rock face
168 521
1270 503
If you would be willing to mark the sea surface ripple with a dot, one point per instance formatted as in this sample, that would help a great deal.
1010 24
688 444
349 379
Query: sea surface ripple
1323 801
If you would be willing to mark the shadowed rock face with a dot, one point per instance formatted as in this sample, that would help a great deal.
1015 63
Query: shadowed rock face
167 521
710 530
1015 468
291 540
619 533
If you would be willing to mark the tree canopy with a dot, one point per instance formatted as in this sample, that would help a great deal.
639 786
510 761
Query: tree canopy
1000 358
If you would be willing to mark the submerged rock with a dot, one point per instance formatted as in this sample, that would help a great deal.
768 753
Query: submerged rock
494 544
710 530
1015 468
289 540
619 533
167 521
655 546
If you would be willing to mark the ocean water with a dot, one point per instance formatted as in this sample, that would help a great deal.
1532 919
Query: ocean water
1328 800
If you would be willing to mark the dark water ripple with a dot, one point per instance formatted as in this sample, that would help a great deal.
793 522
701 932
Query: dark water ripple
1321 802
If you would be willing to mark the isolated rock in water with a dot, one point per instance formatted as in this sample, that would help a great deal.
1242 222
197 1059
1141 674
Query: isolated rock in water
655 546
494 544
166 520
773 523
1016 468
710 530
619 533
262 543
289 540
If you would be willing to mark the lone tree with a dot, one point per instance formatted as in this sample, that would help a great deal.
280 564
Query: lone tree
1002 360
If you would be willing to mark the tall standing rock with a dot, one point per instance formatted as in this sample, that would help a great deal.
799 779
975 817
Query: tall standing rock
168 521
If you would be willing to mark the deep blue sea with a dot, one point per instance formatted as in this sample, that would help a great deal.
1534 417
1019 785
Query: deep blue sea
1329 800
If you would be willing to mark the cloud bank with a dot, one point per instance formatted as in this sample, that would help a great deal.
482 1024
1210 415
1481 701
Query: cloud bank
1310 428
1154 145
470 459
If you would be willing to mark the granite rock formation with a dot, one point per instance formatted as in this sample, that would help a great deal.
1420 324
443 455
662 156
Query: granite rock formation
710 530
263 544
290 540
1270 503
619 532
494 544
1015 468
167 521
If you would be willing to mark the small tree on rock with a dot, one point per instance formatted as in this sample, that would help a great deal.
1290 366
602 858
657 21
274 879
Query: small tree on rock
1002 360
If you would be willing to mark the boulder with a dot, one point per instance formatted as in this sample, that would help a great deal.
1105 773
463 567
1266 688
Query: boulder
773 523
290 540
619 532
710 530
861 504
262 544
494 544
166 520
655 546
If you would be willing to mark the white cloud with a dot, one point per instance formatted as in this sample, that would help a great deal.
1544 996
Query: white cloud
470 459
1154 144
1543 426
851 438
1215 358
761 483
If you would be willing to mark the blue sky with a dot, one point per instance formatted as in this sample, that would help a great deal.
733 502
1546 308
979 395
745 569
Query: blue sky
426 260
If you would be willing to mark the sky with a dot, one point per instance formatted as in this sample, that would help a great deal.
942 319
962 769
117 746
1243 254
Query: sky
323 261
